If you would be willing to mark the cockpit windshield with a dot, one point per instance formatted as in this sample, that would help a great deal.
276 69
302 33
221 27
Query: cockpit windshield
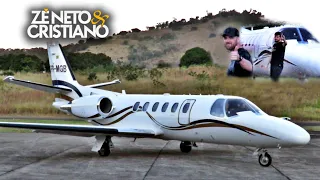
234 106
230 107
217 108
255 107
307 36
291 33
299 34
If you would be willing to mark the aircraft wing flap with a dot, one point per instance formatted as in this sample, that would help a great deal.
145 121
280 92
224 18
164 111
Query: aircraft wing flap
37 86
81 134
81 129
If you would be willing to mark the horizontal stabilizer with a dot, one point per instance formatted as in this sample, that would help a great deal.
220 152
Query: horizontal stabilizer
104 84
89 129
37 86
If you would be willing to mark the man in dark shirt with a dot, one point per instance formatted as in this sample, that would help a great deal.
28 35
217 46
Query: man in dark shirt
241 63
278 51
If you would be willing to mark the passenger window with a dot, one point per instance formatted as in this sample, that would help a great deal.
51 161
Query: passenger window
217 108
165 106
185 107
145 106
174 107
136 105
155 106
233 106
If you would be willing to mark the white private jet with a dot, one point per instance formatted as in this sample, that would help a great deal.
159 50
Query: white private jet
216 119
301 56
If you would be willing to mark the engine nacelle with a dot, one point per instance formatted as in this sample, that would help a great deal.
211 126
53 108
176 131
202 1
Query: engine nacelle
90 106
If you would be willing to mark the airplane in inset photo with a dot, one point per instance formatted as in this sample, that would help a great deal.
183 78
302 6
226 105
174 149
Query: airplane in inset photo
302 53
218 119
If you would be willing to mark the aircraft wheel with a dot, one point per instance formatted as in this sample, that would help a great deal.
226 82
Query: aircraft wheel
185 146
265 160
105 150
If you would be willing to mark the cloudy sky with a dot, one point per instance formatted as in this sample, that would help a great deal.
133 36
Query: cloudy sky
128 14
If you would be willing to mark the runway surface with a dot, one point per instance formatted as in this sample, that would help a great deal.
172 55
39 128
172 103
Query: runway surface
45 156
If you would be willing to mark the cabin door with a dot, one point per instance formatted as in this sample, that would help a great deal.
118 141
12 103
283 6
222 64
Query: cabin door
185 111
256 51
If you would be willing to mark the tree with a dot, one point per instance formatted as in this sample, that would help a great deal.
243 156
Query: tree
135 30
195 56
20 62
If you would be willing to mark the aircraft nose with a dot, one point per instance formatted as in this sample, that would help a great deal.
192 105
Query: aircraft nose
310 62
297 136
301 138
312 67
304 59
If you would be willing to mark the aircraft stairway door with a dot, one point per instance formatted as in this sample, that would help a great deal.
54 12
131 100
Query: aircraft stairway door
256 51
185 110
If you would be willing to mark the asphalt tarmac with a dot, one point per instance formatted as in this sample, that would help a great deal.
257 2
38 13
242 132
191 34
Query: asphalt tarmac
45 156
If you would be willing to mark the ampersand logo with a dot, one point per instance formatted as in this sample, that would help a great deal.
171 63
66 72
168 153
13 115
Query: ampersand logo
97 15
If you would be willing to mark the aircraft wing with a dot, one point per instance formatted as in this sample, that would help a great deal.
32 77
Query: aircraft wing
82 129
37 86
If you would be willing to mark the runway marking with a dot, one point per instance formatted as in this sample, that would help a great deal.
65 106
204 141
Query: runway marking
155 160
18 168
271 165
280 172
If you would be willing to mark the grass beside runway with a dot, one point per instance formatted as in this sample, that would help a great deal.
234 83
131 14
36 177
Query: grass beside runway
312 128
18 130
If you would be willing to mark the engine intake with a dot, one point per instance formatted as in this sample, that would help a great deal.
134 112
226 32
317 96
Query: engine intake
90 106
105 105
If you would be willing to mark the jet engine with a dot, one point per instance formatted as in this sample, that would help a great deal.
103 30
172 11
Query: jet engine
90 106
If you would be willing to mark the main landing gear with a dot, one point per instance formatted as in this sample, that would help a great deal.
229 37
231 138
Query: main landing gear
265 159
186 146
105 148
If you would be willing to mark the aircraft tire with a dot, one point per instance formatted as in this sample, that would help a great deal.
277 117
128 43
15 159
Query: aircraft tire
105 150
185 147
265 160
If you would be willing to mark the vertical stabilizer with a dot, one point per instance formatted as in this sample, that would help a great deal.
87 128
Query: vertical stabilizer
61 72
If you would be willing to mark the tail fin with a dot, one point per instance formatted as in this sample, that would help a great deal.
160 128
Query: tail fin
61 72
59 65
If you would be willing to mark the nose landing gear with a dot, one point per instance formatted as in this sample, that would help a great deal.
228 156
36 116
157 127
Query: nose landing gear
265 159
